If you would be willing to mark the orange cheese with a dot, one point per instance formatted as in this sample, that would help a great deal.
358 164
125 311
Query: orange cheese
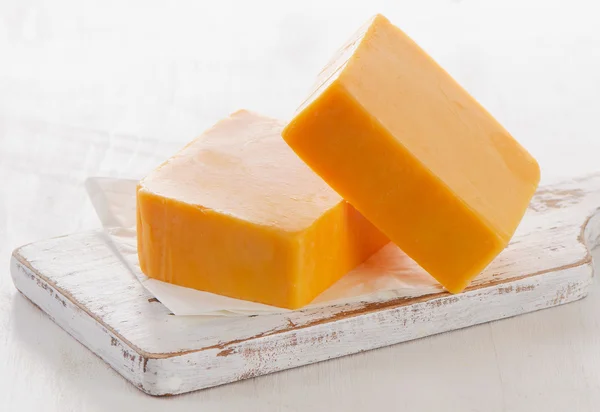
399 139
237 213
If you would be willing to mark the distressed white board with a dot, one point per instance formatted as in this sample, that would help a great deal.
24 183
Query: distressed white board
80 283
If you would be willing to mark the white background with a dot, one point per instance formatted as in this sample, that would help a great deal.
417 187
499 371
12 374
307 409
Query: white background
113 87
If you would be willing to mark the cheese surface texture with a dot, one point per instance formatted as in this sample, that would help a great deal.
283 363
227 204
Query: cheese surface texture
400 140
237 213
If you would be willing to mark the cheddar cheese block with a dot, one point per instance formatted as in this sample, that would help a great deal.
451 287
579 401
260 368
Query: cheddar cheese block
405 144
237 213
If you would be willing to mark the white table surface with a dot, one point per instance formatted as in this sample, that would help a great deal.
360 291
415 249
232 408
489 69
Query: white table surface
112 88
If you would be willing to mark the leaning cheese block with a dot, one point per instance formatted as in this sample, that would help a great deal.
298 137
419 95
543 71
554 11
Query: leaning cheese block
237 213
399 139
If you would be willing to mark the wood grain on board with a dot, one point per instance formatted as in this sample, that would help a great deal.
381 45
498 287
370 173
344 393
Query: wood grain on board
87 290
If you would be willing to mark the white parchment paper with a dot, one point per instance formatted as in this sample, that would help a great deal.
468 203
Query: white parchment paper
387 274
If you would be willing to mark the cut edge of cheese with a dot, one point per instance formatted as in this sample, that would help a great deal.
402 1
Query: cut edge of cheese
230 236
344 107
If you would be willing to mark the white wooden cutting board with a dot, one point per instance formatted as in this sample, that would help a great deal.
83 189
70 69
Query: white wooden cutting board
84 287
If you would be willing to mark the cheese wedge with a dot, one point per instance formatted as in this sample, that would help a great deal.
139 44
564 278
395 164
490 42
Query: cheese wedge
237 213
399 139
